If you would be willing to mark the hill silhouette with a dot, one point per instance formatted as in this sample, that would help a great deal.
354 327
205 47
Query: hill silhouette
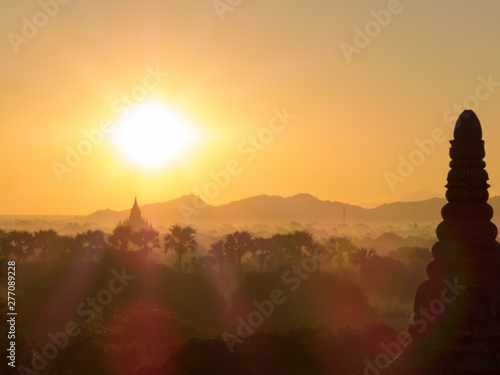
300 207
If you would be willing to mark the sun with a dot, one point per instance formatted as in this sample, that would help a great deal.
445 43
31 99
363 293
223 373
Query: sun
152 135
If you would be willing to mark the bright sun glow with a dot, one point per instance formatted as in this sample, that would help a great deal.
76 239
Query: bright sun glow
152 135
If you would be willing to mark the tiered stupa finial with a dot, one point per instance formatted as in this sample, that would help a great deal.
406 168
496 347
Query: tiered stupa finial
456 325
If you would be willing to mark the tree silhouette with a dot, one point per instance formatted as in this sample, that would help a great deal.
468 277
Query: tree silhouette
291 247
216 253
181 240
45 241
121 238
91 244
279 255
342 248
303 242
147 240
361 255
3 249
421 255
236 245
377 274
19 244
264 248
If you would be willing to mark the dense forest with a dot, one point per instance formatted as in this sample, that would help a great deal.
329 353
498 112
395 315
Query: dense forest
148 303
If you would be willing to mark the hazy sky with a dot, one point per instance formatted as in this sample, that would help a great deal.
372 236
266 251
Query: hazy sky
361 100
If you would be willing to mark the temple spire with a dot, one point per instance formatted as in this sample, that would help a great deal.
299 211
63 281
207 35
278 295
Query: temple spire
135 220
462 335
468 126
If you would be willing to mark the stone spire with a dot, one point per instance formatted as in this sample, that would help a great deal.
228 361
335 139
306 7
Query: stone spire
135 211
135 220
466 234
456 324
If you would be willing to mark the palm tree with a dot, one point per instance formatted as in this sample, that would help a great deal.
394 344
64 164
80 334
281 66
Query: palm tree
281 244
91 244
47 242
181 240
237 245
216 252
263 249
289 247
20 244
121 238
303 242
229 248
97 244
62 251
343 249
147 240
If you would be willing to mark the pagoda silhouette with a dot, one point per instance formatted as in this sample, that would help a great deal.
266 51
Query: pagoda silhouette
135 221
456 323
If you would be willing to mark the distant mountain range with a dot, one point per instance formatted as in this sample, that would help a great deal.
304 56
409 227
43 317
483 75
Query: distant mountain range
421 195
300 208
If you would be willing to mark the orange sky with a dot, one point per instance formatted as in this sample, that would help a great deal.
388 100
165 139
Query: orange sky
361 102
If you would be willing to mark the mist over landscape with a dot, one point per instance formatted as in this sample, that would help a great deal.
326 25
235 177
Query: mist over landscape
401 223
260 258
